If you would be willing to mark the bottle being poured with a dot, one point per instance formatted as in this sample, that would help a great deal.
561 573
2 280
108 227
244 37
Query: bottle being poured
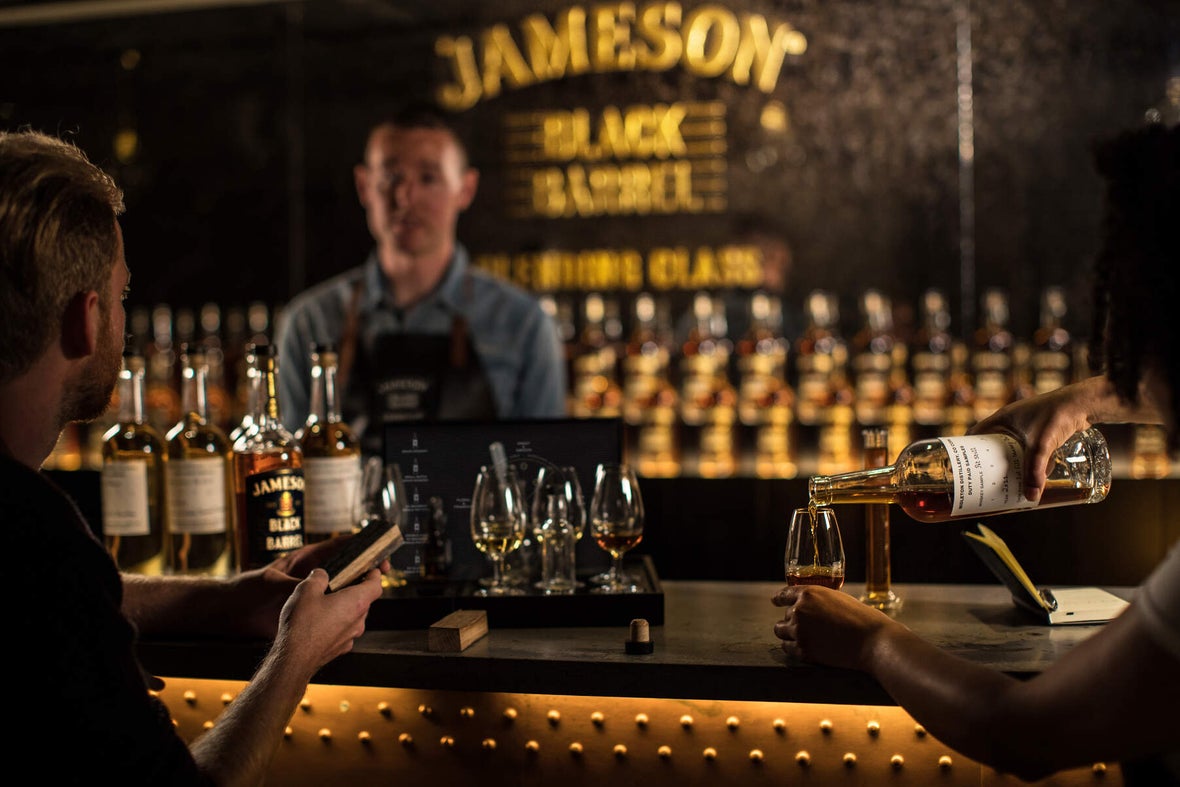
949 478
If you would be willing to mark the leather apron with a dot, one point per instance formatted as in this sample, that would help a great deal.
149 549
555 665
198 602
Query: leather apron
414 377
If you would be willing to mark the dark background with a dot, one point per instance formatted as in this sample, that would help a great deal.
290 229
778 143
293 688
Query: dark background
250 117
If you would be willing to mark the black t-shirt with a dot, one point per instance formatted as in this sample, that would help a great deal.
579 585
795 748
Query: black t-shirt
79 704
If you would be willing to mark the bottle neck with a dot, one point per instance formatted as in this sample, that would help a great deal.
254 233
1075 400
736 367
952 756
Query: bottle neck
315 409
268 416
875 485
131 396
331 403
194 392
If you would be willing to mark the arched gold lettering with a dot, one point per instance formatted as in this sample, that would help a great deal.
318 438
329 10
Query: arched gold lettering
502 60
658 26
711 38
612 37
466 90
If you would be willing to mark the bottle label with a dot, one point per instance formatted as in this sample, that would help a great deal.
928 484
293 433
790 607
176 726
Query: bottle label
197 495
274 514
125 498
987 474
331 493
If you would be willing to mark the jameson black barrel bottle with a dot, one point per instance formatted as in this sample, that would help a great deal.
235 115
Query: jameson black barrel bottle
268 479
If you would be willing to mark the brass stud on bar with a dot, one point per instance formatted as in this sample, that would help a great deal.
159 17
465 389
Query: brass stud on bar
919 730
641 719
226 698
897 761
576 749
849 759
288 732
305 703
686 721
554 717
532 747
780 726
489 744
664 752
325 734
447 742
733 722
467 712
756 755
802 758
406 739
944 762
510 714
710 753
364 737
597 718
620 750
384 709
825 726
874 728
190 697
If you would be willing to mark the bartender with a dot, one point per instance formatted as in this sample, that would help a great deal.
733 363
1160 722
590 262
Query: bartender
423 335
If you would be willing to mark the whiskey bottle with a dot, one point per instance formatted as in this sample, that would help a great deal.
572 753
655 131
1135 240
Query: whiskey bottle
978 475
700 357
645 382
249 396
872 358
899 413
132 481
268 479
765 401
331 457
1150 457
835 448
198 480
1052 351
960 406
813 353
931 365
162 399
595 391
218 397
991 356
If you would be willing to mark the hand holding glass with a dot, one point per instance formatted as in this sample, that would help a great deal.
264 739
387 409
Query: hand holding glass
815 553
616 520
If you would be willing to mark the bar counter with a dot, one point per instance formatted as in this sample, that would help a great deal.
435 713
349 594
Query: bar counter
716 702
717 643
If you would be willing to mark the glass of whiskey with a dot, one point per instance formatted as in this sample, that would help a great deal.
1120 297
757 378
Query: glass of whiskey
815 552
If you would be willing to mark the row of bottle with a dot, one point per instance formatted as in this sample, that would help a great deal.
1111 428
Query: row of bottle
774 397
196 500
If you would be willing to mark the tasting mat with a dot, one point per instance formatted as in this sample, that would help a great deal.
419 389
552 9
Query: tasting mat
419 604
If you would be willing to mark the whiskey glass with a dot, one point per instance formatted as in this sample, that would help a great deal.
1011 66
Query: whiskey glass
616 521
498 522
815 552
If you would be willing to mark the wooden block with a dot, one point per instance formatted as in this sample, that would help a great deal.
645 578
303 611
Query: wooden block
457 631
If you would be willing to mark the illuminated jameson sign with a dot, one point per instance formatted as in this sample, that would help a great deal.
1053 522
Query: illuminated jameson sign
708 41
629 269
621 161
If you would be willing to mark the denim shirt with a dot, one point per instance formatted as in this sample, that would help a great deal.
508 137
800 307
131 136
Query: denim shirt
516 341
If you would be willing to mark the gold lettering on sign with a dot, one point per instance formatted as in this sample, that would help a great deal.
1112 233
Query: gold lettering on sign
633 161
629 270
710 41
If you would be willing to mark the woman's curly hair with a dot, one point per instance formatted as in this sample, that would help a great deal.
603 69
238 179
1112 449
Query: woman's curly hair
1136 305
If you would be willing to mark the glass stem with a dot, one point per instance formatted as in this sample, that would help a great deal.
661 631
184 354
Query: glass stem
616 570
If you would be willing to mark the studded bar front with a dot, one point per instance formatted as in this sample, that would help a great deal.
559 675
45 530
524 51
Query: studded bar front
406 736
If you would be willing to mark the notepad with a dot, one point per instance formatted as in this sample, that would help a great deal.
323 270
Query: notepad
1067 605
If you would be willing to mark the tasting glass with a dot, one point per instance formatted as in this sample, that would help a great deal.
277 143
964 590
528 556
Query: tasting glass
383 497
558 495
616 521
815 553
498 522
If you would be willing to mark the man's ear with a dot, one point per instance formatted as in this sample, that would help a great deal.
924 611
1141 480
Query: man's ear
81 325
360 177
468 189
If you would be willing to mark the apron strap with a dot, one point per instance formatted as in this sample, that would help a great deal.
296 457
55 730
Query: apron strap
460 330
348 338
